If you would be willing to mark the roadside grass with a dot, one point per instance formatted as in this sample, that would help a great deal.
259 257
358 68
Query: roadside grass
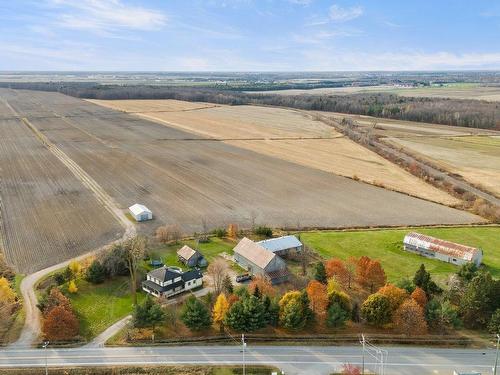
387 246
98 306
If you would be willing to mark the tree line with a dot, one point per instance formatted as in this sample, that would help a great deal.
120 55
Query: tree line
454 112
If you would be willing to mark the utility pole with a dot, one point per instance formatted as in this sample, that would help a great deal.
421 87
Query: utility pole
496 357
45 344
243 345
363 343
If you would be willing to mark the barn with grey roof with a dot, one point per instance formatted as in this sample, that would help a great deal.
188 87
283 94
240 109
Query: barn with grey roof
260 261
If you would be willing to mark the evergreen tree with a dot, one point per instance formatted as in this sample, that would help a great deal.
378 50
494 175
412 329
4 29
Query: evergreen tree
247 315
336 316
479 301
320 273
271 311
423 280
235 318
494 324
227 285
148 314
467 272
195 315
406 284
96 273
355 313
306 310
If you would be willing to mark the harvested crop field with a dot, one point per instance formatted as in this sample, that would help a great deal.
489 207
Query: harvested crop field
289 135
47 215
185 179
475 158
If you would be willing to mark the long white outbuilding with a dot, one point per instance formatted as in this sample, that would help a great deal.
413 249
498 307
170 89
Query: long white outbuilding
445 251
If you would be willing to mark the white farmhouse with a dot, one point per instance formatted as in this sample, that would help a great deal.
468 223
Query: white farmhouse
168 281
445 251
140 212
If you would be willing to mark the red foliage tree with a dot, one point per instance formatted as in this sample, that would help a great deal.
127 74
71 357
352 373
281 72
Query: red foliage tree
60 324
337 269
349 369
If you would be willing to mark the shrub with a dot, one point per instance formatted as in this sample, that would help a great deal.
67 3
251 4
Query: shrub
96 273
220 232
263 231
60 324
409 318
494 324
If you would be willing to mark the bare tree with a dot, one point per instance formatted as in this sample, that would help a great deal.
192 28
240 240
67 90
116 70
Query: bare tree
217 270
167 233
135 248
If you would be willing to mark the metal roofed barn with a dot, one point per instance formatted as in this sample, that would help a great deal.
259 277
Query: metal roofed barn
445 251
260 261
282 245
140 212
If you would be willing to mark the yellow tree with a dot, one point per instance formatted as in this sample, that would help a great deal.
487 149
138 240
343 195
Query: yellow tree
232 231
7 295
395 295
72 288
75 268
220 310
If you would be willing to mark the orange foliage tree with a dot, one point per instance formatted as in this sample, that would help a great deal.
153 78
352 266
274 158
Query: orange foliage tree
409 318
370 273
318 297
232 231
419 296
264 285
395 295
60 324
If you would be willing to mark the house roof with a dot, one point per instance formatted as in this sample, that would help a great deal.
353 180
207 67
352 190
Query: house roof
254 252
138 209
165 273
280 243
191 275
186 252
158 288
452 249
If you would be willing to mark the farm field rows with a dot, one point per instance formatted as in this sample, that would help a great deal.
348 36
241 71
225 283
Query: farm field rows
387 246
460 91
475 158
280 133
185 179
47 215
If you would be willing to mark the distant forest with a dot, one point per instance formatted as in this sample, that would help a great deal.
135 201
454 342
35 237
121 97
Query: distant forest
455 112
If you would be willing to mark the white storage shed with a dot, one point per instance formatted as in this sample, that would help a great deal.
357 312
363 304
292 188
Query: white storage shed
140 212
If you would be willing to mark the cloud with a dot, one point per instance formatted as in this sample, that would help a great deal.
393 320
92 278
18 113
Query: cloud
339 14
326 59
301 2
106 16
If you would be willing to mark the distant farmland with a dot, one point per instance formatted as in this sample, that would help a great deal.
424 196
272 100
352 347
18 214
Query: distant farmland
185 178
285 134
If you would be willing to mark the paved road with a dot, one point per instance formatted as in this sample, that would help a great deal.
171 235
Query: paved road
292 359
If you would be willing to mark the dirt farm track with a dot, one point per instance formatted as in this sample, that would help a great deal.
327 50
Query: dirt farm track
48 215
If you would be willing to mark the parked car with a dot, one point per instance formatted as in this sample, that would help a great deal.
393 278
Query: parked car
243 277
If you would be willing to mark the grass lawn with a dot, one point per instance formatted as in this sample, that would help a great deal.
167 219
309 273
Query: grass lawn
387 246
99 306
168 253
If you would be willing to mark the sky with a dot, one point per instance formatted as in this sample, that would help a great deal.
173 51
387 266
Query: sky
249 35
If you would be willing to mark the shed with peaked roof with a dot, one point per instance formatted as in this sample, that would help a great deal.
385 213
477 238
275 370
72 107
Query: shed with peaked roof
191 257
260 261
